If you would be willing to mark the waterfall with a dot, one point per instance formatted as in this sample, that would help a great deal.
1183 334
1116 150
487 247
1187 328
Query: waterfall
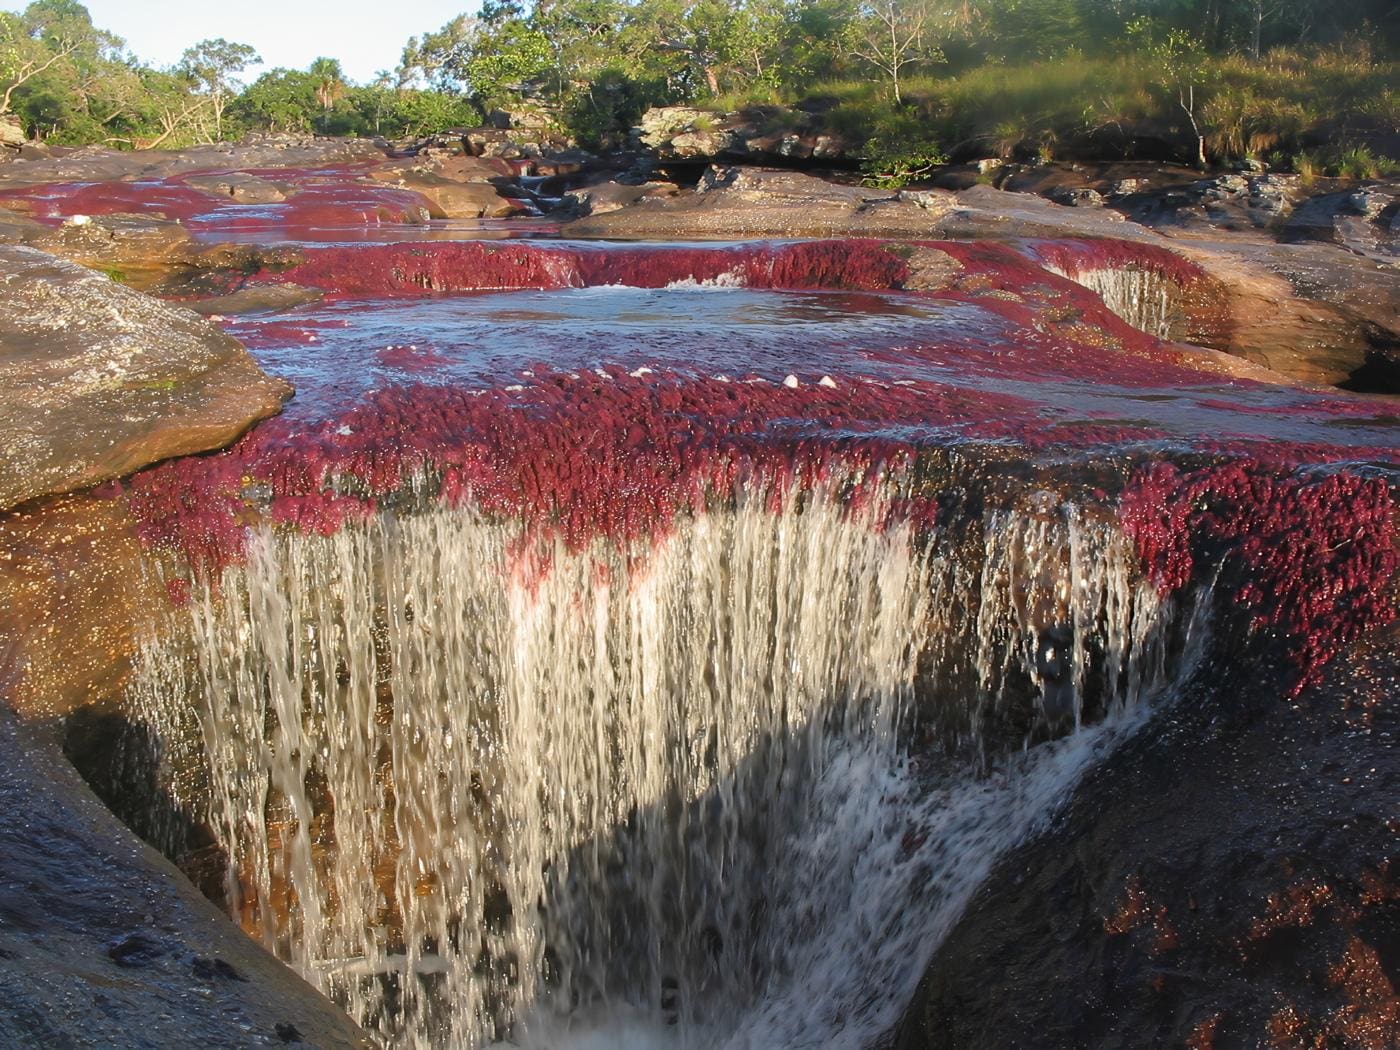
724 788
1142 297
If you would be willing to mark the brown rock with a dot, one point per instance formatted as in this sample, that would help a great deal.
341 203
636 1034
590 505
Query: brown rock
257 298
758 202
245 189
472 169
16 228
99 164
105 943
756 135
453 168
76 599
97 380
12 132
609 196
457 200
120 242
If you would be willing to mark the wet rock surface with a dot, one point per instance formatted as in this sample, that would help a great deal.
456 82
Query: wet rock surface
97 164
104 943
97 380
1227 880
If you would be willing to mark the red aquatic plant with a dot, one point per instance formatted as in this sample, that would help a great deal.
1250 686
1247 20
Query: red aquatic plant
1312 559
458 266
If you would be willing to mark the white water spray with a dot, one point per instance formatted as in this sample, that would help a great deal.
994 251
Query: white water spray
475 790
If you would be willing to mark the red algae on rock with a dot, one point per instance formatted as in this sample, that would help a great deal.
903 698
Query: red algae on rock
1313 560
611 429
326 198
457 266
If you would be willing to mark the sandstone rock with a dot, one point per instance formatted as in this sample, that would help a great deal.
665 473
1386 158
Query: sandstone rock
527 119
75 597
100 935
936 201
117 241
1370 202
472 169
1316 218
97 380
766 133
1221 919
1077 197
16 228
603 197
1127 187
245 189
457 200
12 132
455 168
258 153
256 298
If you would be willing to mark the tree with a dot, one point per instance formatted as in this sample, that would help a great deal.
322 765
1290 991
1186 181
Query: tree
438 59
505 58
1182 63
893 35
280 100
330 86
22 58
211 64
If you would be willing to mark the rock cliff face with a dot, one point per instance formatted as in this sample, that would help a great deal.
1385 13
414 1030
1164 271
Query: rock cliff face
97 380
1229 881
104 943
762 135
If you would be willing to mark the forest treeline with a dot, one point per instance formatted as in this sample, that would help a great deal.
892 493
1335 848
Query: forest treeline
1296 82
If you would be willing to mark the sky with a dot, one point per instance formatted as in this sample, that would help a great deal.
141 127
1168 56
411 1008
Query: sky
366 35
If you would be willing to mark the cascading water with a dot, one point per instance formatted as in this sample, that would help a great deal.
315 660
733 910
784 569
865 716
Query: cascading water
627 660
1142 297
476 786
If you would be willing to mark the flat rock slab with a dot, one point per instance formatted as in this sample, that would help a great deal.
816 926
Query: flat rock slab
97 380
99 164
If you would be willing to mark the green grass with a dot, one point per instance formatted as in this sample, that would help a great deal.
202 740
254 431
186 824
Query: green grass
1282 106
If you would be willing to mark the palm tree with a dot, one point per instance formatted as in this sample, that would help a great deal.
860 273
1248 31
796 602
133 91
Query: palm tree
330 85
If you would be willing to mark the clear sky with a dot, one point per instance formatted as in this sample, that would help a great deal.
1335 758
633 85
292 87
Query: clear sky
366 35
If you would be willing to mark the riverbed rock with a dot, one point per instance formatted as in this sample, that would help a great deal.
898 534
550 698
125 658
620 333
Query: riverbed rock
461 200
453 168
97 380
757 135
117 243
12 132
103 942
257 153
1313 312
735 202
1228 879
611 195
241 187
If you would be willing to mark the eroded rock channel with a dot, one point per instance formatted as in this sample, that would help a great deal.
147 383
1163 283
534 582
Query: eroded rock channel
678 642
